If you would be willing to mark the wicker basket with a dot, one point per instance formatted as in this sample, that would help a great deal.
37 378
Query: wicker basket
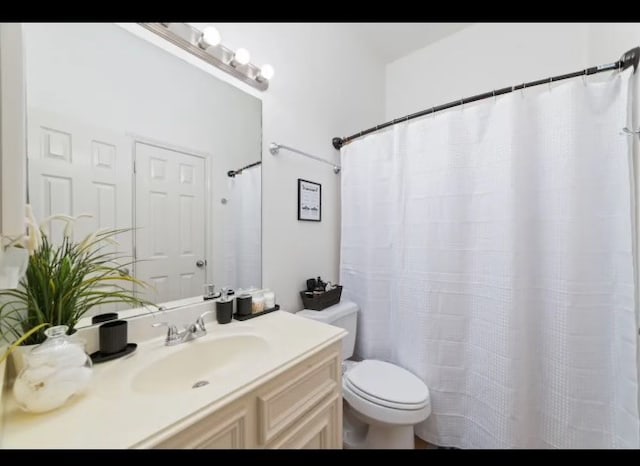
322 301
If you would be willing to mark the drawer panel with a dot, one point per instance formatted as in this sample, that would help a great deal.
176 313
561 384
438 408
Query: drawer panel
319 430
290 397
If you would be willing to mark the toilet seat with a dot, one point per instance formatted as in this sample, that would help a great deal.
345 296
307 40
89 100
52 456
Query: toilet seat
387 385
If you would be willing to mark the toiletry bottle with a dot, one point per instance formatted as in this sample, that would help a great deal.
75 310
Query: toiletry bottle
230 296
224 308
319 289
209 291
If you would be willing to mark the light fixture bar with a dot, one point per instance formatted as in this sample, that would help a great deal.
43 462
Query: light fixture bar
247 73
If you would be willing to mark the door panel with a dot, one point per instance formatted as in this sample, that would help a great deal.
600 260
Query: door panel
170 221
75 169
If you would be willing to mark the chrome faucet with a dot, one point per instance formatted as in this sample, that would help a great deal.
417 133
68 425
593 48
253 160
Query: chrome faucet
175 337
191 332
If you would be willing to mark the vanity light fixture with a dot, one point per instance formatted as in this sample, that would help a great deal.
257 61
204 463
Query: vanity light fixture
240 58
266 72
210 38
206 45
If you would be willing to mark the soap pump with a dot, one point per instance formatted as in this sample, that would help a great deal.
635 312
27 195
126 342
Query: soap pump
224 307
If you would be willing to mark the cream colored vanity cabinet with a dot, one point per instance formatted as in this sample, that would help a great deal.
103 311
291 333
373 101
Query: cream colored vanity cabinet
298 408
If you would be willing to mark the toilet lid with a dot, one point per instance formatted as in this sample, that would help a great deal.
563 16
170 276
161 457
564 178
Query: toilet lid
387 384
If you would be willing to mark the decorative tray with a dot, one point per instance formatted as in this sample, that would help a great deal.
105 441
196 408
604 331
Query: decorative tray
257 314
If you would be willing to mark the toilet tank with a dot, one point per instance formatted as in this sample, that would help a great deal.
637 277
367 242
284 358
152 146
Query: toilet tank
343 315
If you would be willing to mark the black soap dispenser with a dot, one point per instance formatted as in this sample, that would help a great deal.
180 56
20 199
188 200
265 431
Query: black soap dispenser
224 308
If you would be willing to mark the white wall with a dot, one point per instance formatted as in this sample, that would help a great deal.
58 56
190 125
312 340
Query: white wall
481 58
326 85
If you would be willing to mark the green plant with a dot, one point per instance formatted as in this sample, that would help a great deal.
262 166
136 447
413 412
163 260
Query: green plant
62 283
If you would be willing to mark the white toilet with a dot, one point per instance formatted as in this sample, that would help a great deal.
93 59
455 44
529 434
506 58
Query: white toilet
382 401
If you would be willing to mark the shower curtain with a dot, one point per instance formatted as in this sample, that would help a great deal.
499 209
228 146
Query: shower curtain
243 240
490 250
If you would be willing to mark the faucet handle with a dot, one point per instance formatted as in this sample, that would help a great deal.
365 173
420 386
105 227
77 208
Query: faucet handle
172 331
200 322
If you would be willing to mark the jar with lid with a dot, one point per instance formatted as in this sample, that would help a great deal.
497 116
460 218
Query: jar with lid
55 371
257 302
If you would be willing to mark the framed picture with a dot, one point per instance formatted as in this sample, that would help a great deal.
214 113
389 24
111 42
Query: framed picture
309 201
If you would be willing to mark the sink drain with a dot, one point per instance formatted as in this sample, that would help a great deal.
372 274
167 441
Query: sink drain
200 383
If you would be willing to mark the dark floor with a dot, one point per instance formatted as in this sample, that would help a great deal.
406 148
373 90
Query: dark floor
422 445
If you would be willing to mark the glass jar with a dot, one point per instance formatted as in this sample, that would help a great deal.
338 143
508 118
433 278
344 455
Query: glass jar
257 302
55 371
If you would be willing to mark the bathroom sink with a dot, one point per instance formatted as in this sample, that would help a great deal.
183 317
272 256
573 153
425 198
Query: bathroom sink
200 362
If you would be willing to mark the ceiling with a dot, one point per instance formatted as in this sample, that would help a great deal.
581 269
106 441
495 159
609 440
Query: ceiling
390 41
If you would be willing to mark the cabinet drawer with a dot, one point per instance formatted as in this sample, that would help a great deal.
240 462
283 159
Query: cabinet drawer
291 396
320 430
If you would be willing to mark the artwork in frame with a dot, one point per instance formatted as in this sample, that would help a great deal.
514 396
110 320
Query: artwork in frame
309 201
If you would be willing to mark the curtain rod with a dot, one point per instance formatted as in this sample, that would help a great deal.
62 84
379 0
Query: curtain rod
630 58
274 148
233 173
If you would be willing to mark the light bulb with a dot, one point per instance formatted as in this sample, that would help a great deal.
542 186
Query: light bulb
241 57
266 73
210 37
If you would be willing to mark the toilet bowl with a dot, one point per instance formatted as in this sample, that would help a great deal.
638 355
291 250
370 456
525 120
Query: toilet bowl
382 401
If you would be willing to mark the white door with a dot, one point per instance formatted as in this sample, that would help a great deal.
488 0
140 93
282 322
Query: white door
79 169
170 222
75 168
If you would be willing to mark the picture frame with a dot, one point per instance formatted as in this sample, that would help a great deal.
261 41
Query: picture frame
309 201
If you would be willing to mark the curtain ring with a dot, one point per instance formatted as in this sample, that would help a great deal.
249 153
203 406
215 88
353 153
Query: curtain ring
550 81
584 78
522 90
433 112
462 104
494 96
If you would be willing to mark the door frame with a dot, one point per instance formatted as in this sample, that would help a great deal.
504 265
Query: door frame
208 165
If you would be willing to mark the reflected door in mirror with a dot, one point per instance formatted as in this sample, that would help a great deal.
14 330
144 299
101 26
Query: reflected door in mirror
170 222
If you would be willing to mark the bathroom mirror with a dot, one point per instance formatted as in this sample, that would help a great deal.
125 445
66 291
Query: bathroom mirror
123 130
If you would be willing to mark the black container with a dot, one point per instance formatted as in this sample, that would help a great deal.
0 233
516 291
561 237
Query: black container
224 311
243 305
104 317
113 337
311 284
318 302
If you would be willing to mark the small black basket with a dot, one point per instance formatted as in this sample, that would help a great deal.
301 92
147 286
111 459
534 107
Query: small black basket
322 301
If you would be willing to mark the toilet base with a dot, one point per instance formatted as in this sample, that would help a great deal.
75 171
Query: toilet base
390 437
359 433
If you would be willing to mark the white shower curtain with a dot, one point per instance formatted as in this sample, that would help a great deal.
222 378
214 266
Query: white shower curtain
243 236
490 251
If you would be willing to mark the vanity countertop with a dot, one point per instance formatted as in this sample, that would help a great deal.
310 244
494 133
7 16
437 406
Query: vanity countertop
122 409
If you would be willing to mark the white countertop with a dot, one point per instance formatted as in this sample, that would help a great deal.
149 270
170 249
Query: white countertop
112 414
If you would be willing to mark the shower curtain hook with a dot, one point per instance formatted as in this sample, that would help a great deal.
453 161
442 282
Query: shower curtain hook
550 81
462 104
433 112
494 96
522 90
584 77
